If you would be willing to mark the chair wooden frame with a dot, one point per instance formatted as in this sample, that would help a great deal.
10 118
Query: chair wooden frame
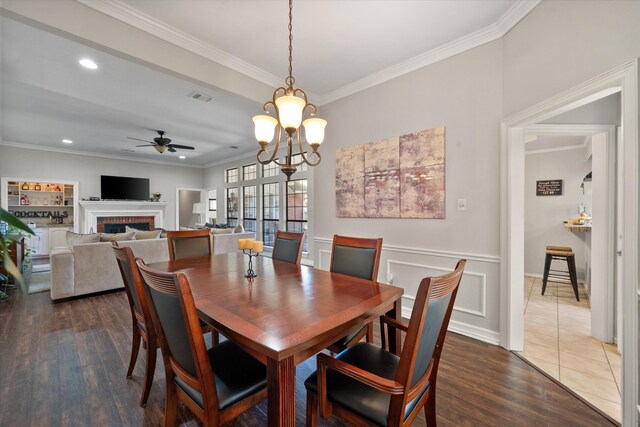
204 383
291 236
142 323
185 234
400 389
358 242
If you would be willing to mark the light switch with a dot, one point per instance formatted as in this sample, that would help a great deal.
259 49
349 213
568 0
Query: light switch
462 204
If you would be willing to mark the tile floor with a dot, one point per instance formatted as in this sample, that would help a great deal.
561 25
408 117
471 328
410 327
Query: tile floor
557 340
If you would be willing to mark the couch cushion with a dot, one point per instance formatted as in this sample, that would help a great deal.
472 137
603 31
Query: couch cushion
77 238
221 230
116 237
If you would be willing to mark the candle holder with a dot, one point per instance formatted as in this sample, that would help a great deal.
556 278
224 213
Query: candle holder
250 273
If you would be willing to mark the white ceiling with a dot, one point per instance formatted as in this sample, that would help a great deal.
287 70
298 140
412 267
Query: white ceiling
339 47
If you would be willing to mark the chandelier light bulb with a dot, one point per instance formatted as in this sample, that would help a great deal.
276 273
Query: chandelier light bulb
264 128
314 130
290 111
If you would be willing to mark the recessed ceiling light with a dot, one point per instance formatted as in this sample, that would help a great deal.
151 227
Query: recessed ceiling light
67 141
182 157
88 63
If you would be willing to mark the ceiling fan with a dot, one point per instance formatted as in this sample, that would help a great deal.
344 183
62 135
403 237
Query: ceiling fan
162 144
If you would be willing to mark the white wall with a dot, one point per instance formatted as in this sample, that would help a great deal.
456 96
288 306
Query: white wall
39 164
185 204
463 94
544 215
561 44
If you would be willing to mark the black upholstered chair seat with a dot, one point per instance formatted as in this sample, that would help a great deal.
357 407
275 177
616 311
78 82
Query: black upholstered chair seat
237 375
359 398
342 342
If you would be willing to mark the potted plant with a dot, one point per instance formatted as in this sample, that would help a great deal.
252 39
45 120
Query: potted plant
11 268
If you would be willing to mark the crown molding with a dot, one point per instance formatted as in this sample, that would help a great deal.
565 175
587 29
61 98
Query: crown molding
141 21
519 10
122 12
84 153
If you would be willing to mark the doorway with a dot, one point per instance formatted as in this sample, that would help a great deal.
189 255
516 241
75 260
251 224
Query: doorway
191 207
623 79
569 181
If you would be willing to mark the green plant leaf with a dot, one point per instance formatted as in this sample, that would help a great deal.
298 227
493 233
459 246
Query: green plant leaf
15 222
7 262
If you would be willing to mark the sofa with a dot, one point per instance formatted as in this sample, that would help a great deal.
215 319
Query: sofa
86 268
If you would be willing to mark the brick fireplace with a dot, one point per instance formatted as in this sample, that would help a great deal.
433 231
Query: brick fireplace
116 214
118 224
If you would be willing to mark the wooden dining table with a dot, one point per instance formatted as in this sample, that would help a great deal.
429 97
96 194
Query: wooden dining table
285 315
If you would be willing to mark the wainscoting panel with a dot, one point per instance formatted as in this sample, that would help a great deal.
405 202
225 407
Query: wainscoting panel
476 312
471 294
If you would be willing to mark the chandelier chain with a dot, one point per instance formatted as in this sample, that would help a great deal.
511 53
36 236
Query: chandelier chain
291 80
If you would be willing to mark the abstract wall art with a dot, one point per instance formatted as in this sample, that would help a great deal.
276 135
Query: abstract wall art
401 177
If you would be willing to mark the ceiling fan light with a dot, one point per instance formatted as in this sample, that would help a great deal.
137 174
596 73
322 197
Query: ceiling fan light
160 148
290 111
314 130
264 127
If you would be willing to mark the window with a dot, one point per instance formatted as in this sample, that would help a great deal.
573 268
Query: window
297 207
232 175
298 158
213 205
232 206
270 212
249 172
270 170
249 207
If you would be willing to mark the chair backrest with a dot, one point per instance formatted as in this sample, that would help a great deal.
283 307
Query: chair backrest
356 256
189 244
133 285
425 336
288 247
179 332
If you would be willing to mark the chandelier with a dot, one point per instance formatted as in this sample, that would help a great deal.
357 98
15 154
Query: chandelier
289 105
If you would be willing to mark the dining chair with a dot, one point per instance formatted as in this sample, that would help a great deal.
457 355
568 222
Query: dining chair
367 385
216 385
142 324
189 244
288 246
357 257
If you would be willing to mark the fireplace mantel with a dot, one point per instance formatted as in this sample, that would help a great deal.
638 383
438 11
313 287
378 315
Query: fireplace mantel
91 210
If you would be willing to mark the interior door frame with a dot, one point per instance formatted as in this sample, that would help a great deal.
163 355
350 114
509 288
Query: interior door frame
203 193
622 79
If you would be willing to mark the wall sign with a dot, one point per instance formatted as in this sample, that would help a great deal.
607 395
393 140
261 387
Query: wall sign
549 187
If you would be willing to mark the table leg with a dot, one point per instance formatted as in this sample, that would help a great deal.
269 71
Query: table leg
395 343
281 385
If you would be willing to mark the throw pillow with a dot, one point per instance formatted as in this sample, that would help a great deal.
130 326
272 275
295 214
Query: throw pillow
77 238
144 234
239 229
117 237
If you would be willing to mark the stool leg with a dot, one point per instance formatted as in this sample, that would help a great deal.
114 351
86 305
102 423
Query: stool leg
571 264
545 277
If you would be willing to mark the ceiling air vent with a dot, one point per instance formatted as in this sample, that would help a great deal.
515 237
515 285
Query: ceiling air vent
234 147
201 96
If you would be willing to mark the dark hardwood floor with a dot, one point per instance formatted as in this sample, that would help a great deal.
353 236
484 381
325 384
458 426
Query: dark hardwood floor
65 364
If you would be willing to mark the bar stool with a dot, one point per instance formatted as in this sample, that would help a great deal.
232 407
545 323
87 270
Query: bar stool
561 253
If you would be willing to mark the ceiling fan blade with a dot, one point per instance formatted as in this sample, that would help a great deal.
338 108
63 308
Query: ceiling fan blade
146 145
182 147
171 149
138 139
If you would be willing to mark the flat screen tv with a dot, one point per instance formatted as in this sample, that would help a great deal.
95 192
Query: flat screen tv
123 188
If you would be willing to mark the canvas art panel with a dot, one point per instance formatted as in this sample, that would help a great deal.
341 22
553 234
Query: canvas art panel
401 177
